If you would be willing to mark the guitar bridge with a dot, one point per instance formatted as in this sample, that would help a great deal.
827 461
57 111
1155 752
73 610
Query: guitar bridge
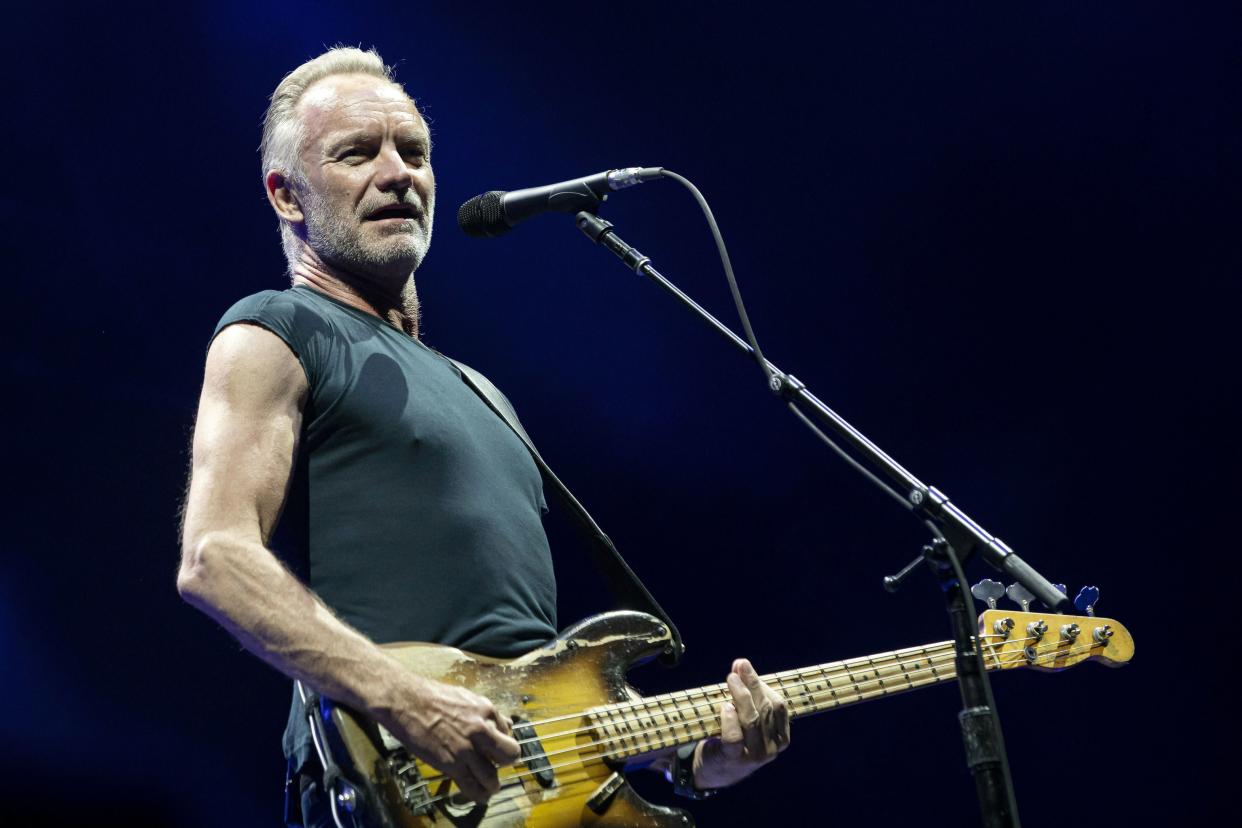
408 783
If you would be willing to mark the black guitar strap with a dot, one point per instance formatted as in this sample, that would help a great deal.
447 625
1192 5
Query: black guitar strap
627 589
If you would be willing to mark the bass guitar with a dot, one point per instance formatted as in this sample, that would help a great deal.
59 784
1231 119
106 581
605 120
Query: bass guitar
578 722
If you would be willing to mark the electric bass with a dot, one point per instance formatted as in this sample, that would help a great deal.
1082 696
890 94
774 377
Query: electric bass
577 721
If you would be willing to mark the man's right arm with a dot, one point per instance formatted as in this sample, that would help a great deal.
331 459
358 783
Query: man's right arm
245 442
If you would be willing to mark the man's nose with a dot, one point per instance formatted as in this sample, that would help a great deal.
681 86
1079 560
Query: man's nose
393 174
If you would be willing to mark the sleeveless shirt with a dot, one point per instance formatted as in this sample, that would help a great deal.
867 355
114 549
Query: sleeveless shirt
414 512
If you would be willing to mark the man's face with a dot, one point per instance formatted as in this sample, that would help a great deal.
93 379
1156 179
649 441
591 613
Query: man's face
369 193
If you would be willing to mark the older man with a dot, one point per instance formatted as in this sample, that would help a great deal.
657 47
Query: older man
414 511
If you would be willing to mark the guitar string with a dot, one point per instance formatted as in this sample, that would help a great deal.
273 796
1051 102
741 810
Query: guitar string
853 688
620 711
828 672
856 694
1015 659
837 666
508 781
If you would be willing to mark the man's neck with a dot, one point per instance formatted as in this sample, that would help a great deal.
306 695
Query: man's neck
348 289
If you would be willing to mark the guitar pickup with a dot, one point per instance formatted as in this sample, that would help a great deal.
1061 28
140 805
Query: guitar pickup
534 757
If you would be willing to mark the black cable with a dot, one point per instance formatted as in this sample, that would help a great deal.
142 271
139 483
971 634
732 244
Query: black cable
859 467
960 574
728 268
774 382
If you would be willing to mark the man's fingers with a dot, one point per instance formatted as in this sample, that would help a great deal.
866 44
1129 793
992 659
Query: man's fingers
731 739
750 677
776 726
780 723
748 715
496 747
468 785
773 710
483 779
503 723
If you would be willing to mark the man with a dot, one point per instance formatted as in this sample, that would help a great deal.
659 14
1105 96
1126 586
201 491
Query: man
415 509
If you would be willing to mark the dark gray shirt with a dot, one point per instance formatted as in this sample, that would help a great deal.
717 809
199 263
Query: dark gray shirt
415 513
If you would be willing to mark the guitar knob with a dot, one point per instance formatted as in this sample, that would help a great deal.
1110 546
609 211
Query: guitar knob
988 591
1020 595
347 800
1086 600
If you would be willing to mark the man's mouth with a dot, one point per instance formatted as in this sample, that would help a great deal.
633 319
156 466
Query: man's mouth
393 211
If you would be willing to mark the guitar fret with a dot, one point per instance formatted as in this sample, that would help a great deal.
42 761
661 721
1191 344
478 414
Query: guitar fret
634 724
703 710
691 714
780 686
654 736
906 673
680 720
659 728
605 725
832 690
851 680
802 693
824 685
623 726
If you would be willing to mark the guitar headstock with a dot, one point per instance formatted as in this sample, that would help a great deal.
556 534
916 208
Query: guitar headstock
1048 641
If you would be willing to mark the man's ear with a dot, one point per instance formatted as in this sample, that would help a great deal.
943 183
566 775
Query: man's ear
281 196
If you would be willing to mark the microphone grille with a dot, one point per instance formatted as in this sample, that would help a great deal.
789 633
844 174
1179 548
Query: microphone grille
483 215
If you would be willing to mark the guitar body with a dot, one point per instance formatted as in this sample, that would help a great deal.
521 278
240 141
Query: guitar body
552 686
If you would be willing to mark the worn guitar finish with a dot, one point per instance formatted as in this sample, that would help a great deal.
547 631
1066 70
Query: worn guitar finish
582 669
578 723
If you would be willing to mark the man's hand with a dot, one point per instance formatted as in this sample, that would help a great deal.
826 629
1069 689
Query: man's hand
457 731
754 728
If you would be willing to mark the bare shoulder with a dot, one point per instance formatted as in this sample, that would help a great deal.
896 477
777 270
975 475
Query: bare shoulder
245 436
249 365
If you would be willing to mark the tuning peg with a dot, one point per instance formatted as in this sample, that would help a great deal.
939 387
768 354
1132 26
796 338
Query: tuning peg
988 591
1020 595
1086 600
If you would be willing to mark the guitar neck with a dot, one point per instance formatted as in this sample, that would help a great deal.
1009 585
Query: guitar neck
1008 639
663 721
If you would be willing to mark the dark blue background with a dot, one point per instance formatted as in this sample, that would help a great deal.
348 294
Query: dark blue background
1001 239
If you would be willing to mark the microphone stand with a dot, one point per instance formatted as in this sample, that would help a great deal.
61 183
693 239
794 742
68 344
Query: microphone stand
957 538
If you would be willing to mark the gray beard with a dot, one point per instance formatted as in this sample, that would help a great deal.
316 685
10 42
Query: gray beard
337 240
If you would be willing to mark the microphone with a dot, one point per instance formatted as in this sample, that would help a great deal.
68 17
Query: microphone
495 213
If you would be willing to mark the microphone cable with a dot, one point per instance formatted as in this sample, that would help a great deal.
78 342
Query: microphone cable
774 381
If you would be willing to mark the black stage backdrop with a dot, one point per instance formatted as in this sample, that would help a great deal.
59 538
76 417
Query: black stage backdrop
999 238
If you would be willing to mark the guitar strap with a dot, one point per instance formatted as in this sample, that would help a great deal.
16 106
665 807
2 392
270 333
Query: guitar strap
627 589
